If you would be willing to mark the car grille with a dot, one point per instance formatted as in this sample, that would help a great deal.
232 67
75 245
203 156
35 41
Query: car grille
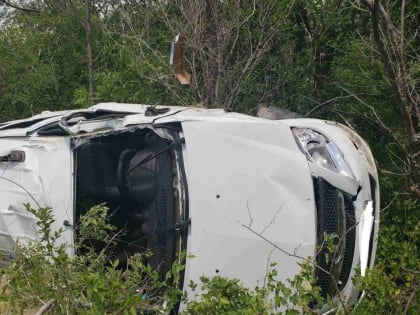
335 237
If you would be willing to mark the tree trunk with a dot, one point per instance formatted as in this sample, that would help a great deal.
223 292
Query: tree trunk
389 40
88 27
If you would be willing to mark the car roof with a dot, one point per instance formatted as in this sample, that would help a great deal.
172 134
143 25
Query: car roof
132 114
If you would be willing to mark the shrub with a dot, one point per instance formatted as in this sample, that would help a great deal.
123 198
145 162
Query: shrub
219 295
45 270
91 283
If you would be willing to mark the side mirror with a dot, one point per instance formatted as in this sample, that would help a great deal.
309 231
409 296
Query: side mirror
177 59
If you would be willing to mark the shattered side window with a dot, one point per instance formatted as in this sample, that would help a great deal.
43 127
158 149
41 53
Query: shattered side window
20 124
53 129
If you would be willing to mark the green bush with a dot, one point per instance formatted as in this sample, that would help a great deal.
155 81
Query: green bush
83 284
393 286
44 270
219 295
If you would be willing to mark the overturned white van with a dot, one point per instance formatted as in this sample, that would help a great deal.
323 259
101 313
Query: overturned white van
216 184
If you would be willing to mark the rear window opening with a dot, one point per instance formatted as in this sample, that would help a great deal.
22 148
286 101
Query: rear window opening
134 173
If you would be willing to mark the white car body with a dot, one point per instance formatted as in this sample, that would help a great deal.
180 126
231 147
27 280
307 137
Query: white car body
245 195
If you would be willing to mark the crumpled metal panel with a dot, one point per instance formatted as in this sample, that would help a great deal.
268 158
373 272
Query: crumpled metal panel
44 179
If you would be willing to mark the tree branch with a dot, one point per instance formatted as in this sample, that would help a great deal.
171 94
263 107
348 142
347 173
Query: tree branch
17 7
44 308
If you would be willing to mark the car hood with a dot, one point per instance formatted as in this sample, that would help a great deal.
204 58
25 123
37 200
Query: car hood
251 199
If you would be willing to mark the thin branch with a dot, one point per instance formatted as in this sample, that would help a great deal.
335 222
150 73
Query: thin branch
17 7
362 102
283 250
402 32
267 267
272 221
47 306
273 244
378 122
383 210
251 220
410 300
416 272
327 102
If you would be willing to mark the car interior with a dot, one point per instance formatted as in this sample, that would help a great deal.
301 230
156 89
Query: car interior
132 173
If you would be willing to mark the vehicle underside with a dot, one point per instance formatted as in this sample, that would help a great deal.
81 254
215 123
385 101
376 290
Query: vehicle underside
135 172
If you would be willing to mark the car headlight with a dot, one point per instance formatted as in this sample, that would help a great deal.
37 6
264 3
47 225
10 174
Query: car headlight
322 151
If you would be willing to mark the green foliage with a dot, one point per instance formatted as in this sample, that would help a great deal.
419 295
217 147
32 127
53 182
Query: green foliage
226 296
321 61
44 269
385 294
42 64
393 286
91 283
219 295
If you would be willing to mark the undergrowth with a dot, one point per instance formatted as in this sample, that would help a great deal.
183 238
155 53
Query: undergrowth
46 270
